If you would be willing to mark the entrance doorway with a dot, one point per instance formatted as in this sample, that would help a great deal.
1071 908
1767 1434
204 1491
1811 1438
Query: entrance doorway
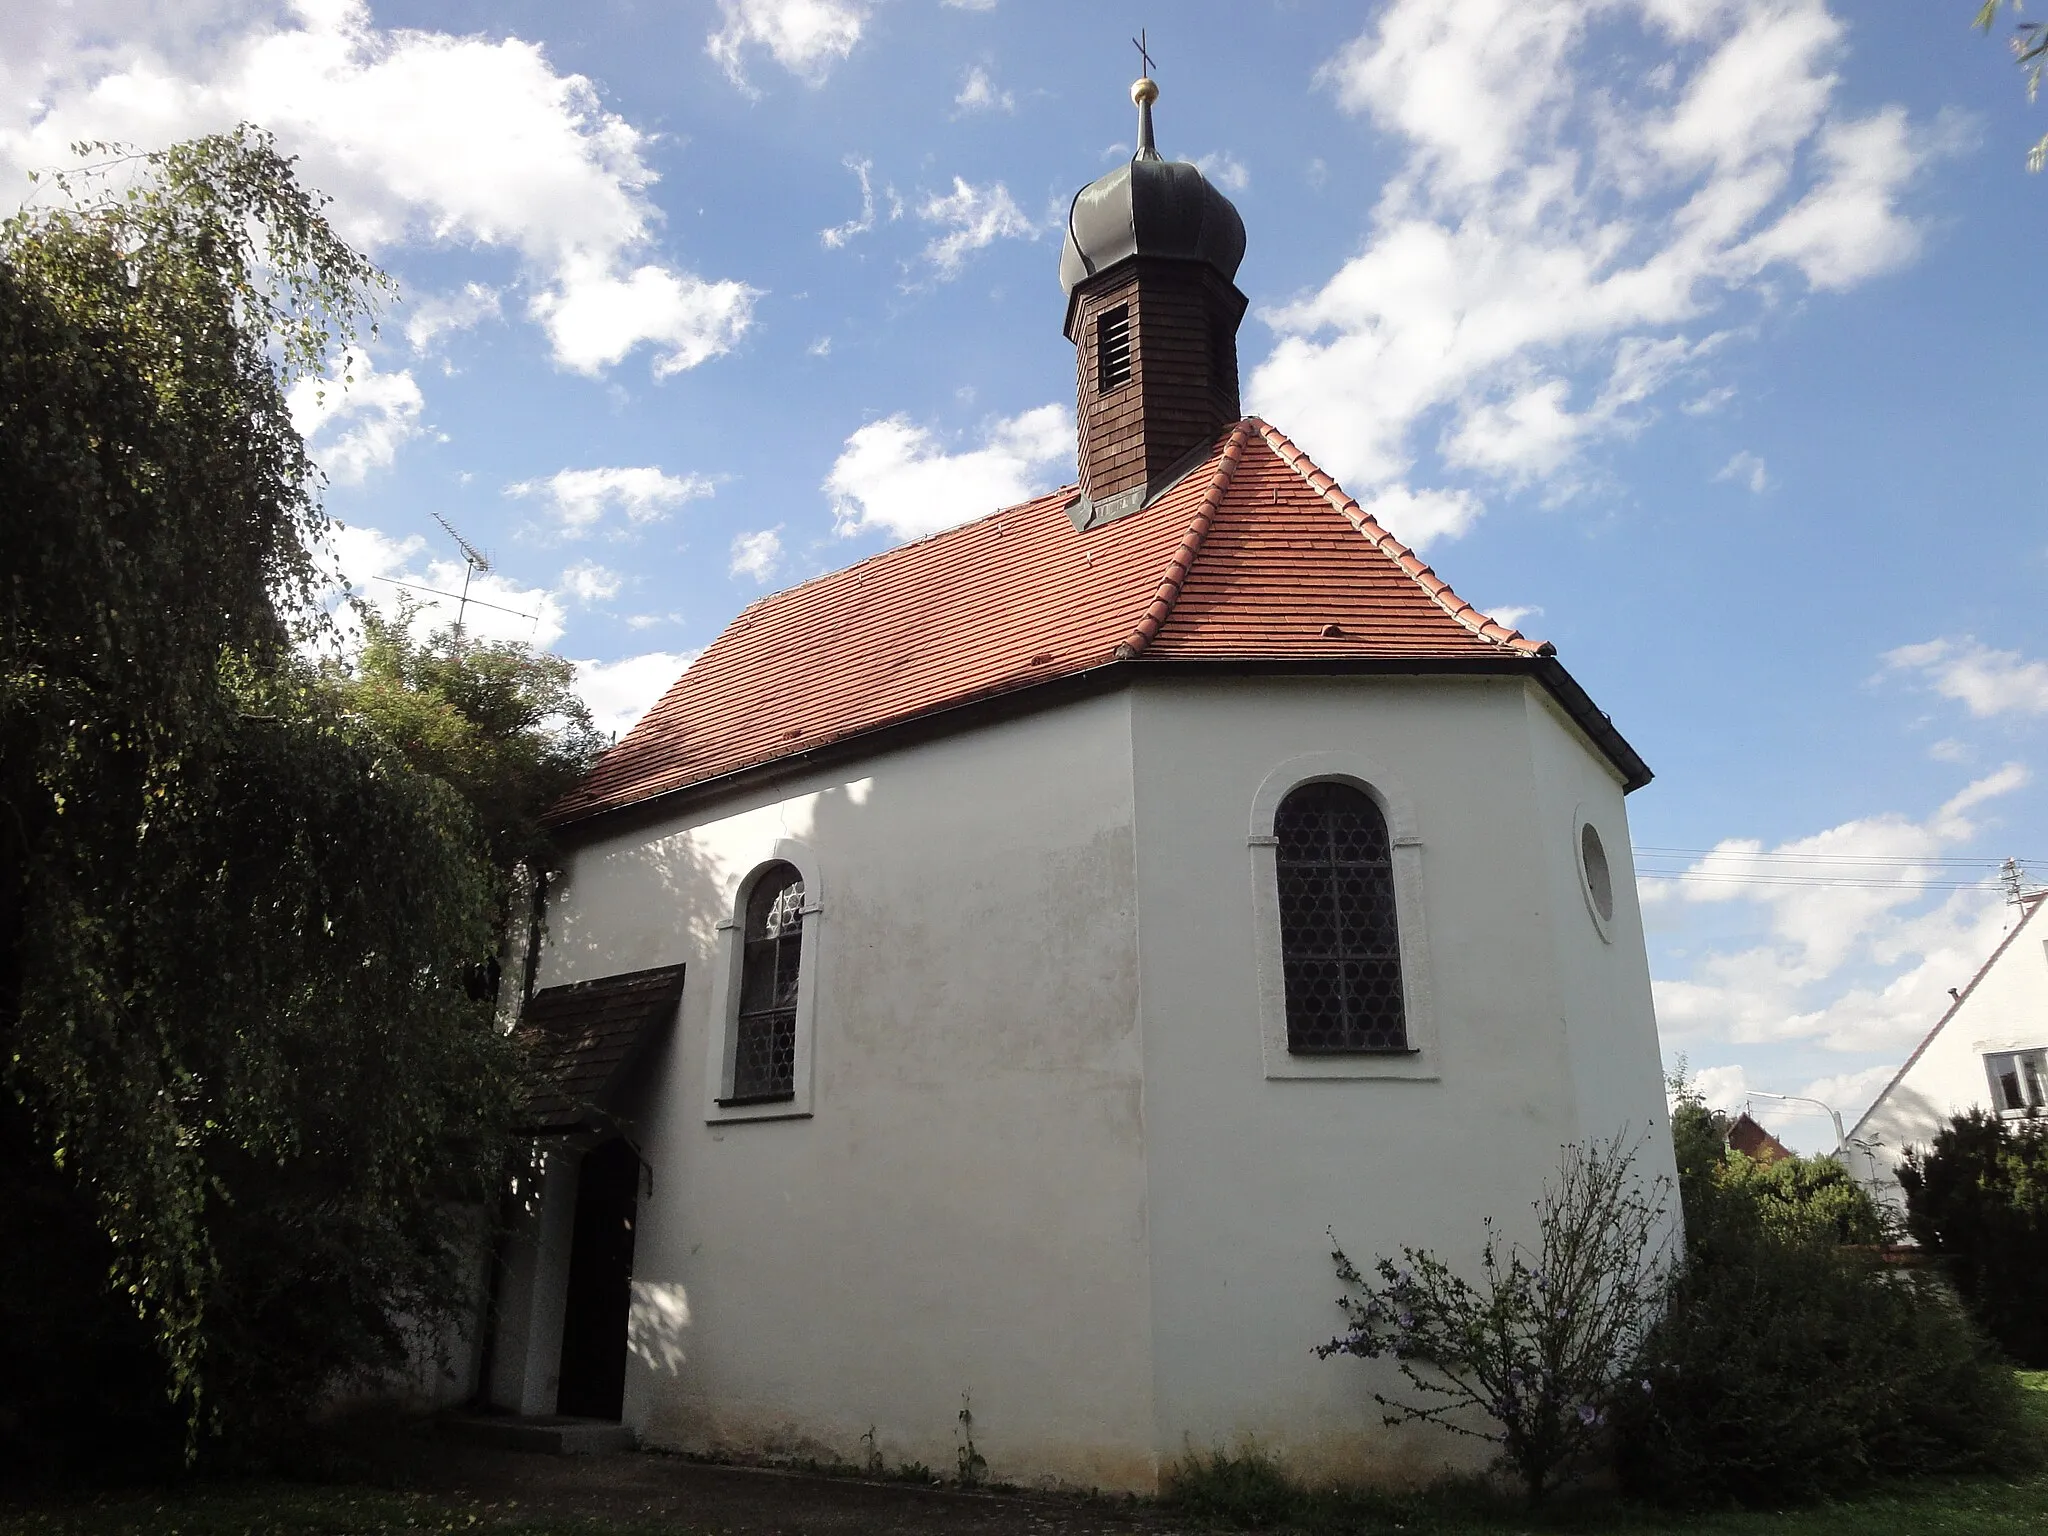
593 1371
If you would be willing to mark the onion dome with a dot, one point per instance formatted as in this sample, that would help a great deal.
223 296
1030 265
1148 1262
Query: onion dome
1150 207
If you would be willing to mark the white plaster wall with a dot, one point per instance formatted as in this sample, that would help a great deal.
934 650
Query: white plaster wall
1544 1034
525 1367
1603 967
2006 1010
965 1211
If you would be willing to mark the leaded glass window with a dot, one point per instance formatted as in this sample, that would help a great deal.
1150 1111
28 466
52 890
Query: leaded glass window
1340 943
764 1038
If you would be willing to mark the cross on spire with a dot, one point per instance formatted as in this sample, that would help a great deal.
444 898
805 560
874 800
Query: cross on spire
1144 56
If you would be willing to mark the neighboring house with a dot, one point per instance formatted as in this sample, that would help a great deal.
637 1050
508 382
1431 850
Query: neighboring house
1754 1142
979 986
1989 1051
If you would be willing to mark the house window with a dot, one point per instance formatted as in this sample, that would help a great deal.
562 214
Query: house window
1339 934
1112 349
764 1032
2019 1081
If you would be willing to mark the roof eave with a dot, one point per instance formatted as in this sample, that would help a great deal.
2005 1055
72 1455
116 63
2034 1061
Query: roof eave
1030 694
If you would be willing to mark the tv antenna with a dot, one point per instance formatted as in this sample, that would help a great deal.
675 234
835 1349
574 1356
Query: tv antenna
474 561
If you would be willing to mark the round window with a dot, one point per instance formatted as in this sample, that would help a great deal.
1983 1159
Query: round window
1599 879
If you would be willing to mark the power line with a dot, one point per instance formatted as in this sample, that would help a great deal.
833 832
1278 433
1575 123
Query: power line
1823 858
1819 882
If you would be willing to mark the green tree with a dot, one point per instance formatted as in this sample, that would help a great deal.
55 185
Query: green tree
500 722
239 930
2030 51
1721 1189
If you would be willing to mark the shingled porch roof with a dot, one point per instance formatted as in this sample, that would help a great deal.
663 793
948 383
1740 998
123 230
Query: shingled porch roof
1254 556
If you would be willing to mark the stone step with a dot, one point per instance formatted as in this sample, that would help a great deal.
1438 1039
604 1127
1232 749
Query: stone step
546 1435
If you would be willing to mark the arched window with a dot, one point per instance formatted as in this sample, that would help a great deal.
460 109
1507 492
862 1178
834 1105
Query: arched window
1340 941
764 1034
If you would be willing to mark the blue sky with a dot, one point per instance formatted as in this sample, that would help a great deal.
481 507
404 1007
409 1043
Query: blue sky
1698 333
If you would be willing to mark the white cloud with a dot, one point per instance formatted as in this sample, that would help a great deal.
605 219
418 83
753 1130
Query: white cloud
1985 681
431 316
806 37
599 314
380 570
1746 470
589 582
1722 1088
355 419
969 5
1851 957
420 137
1536 274
620 692
979 93
578 499
1514 613
839 234
1419 517
1848 1093
897 478
755 554
973 217
1225 169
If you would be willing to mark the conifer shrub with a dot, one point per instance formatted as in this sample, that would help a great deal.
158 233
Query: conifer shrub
1790 1365
1979 1198
1788 1369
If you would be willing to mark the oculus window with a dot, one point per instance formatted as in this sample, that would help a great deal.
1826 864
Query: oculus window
1340 935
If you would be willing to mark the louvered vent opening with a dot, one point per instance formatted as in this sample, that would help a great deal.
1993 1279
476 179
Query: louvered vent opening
1112 349
1222 357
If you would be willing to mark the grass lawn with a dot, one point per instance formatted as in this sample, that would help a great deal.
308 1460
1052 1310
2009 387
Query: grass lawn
1928 1507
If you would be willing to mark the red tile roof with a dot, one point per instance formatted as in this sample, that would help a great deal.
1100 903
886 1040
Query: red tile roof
1748 1137
1255 555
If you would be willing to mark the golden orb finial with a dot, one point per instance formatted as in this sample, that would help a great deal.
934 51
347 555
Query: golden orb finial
1144 91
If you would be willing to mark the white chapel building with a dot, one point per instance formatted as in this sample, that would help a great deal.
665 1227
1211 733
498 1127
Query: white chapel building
991 971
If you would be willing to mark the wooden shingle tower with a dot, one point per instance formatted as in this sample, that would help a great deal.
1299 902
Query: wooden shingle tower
1149 266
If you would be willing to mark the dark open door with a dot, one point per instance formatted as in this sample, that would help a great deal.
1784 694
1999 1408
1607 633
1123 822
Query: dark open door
593 1375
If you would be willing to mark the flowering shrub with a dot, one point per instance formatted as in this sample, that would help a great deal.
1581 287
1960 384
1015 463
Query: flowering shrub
1541 1343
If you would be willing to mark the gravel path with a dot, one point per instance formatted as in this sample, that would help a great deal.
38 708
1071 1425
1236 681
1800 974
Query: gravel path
648 1489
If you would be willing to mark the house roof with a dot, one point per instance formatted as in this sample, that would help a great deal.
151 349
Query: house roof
579 1038
1753 1141
2030 903
1253 556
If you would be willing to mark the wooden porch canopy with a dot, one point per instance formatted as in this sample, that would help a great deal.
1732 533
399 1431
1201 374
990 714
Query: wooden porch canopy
581 1040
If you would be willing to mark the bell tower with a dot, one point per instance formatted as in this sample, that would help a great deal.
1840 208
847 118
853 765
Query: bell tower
1149 266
